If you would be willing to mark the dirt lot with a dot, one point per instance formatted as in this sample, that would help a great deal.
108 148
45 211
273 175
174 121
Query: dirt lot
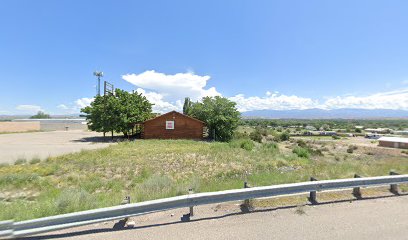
44 144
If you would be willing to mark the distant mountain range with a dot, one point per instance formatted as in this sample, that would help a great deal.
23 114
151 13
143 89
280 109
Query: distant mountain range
11 117
345 113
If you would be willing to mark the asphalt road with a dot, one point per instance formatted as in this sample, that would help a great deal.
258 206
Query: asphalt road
44 144
381 218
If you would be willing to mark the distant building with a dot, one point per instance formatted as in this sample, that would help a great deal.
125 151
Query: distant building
402 132
328 133
393 142
378 130
310 128
372 136
173 125
58 124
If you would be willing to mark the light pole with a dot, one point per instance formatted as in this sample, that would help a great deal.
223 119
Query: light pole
98 87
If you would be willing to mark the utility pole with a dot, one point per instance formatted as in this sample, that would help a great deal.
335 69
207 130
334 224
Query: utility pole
98 87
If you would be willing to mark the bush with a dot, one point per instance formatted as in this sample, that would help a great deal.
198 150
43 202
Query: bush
335 137
301 143
20 161
256 136
351 148
246 144
284 136
71 200
301 152
35 160
240 135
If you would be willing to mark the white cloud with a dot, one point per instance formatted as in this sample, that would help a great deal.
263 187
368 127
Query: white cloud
272 101
386 100
63 107
173 87
405 82
160 105
29 109
397 100
75 107
168 91
83 102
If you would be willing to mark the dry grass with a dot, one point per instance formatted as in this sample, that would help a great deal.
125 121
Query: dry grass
153 169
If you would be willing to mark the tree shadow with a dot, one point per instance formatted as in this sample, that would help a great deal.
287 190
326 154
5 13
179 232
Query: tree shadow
122 227
106 139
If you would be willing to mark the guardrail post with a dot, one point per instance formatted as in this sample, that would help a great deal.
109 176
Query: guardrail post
122 223
6 229
190 191
186 217
357 190
246 206
394 187
246 201
312 194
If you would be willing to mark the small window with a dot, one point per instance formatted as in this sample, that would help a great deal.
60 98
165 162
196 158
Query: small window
169 124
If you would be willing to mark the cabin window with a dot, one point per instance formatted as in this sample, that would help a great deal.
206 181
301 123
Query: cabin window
170 125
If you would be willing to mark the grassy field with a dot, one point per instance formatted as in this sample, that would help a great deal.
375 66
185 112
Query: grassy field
150 169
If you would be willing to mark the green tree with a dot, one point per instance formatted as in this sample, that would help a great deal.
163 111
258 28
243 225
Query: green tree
187 106
130 108
118 112
40 115
220 115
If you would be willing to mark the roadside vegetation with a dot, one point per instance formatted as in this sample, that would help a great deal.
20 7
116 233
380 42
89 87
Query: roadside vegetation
151 169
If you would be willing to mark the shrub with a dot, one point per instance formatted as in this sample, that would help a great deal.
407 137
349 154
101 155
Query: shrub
284 136
301 143
301 152
256 136
246 144
351 148
20 161
18 179
3 165
73 200
35 160
335 137
239 135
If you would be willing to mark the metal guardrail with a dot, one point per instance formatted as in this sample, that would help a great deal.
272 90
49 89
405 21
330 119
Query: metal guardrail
47 224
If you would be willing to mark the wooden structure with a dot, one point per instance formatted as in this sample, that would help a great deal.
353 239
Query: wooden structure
393 142
173 125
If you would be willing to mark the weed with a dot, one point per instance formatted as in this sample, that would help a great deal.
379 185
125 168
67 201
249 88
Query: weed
351 148
20 161
301 152
35 160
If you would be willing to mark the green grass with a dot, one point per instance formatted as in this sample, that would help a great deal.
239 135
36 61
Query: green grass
151 169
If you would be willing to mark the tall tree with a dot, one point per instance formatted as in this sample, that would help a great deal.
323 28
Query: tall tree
132 108
220 115
40 115
187 106
117 112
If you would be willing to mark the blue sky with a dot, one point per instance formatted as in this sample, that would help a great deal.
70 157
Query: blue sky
261 54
